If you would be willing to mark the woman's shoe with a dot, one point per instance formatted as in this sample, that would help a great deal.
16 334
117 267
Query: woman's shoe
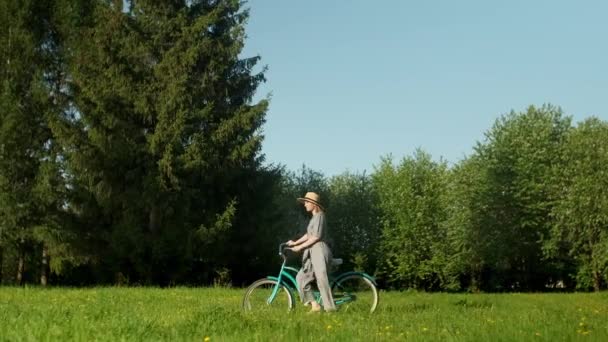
315 308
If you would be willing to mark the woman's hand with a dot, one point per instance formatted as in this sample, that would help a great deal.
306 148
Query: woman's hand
296 248
290 243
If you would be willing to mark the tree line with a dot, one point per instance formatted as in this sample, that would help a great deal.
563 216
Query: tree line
130 153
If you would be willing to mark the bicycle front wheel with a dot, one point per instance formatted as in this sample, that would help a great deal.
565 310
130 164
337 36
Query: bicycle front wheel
268 295
355 293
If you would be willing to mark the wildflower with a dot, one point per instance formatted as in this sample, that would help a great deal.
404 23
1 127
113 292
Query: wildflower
537 334
329 327
207 339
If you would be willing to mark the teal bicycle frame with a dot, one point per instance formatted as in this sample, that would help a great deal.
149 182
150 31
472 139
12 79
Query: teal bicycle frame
288 280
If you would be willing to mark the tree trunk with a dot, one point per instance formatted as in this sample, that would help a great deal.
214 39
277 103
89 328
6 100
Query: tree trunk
154 219
474 287
1 262
596 281
20 267
475 278
45 265
594 268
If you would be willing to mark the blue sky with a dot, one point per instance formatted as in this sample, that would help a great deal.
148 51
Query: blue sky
353 81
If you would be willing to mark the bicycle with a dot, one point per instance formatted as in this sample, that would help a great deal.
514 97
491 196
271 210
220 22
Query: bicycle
353 291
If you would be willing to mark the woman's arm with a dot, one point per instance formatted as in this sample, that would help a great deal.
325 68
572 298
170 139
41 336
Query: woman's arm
311 240
299 241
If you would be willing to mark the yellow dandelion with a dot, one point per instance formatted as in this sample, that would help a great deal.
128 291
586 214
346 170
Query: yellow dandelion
329 327
585 332
207 339
388 327
537 334
425 329
581 324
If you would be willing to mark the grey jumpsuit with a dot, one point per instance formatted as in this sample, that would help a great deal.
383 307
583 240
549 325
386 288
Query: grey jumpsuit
316 264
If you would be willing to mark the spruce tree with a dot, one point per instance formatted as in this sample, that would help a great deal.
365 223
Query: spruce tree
162 132
30 181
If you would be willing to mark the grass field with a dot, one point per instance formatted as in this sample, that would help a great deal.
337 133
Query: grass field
214 314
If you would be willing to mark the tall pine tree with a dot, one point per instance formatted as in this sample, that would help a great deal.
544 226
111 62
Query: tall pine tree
30 181
161 132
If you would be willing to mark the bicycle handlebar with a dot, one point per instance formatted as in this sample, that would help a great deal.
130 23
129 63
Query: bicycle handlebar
282 248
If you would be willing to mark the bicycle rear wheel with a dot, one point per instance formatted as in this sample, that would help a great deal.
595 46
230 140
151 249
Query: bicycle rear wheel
259 297
355 293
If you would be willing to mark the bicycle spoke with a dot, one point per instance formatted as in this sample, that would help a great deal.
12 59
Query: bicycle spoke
355 294
259 297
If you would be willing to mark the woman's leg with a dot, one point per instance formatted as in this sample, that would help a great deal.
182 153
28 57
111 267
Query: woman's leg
305 286
319 266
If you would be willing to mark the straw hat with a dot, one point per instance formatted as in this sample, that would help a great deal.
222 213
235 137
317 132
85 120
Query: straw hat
313 198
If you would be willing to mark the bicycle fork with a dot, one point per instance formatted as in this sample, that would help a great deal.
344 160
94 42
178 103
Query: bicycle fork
275 290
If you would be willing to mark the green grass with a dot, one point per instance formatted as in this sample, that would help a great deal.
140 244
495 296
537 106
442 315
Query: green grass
214 314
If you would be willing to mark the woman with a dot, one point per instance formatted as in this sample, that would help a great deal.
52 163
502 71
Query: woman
317 257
